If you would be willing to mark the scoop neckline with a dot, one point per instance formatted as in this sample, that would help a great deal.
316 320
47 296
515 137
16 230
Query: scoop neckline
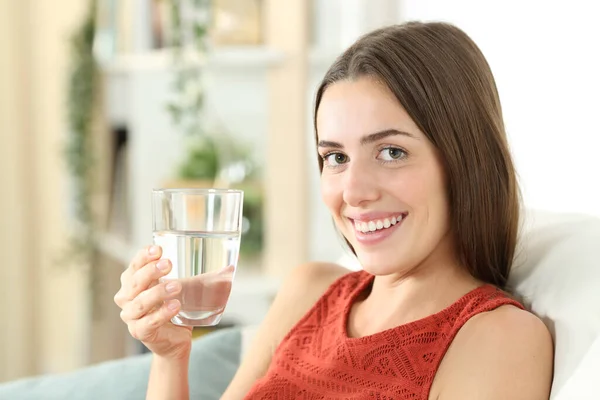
367 280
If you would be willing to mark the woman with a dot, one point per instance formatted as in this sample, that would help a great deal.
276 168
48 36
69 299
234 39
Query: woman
416 172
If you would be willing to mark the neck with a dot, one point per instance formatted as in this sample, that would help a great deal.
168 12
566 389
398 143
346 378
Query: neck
401 298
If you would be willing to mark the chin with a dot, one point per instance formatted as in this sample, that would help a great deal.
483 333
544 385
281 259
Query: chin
379 264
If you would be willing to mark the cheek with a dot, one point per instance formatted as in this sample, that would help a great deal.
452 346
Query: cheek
330 194
412 187
433 194
423 190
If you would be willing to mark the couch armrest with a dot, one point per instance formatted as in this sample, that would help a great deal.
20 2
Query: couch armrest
213 362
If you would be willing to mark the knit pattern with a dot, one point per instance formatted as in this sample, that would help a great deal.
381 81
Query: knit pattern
317 360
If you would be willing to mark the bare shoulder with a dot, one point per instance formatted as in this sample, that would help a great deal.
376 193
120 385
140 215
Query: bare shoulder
302 287
506 353
300 290
306 283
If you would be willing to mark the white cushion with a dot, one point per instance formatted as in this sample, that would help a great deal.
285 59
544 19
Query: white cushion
557 273
583 382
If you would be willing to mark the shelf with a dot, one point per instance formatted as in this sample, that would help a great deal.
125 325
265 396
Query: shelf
226 57
230 57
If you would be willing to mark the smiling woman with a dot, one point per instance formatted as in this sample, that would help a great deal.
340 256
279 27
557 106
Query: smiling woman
416 172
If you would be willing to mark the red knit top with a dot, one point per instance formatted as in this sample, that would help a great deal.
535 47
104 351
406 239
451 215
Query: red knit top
317 360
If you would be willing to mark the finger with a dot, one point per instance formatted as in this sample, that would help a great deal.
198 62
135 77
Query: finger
144 256
227 270
142 279
146 328
150 300
146 276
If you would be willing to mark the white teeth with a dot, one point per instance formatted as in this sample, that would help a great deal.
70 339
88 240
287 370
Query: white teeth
361 226
372 226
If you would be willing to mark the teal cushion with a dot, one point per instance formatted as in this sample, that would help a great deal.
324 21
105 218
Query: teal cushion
214 360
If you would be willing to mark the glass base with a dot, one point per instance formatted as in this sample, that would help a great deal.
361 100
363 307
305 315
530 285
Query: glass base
211 320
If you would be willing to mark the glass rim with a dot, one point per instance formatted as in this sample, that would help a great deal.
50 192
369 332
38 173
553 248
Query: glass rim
197 191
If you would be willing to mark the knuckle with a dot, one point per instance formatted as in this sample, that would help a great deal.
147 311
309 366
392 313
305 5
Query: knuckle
135 283
144 331
138 304
139 259
133 331
121 299
123 277
154 321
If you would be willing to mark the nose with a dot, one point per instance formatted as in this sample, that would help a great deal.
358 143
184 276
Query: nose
360 186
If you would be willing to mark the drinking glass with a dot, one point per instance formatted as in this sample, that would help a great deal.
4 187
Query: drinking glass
199 231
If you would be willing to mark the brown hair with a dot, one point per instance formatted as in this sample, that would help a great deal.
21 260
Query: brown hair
441 78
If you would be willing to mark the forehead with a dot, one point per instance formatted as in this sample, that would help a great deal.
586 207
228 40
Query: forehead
358 107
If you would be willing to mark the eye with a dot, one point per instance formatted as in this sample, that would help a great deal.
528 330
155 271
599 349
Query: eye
392 154
335 159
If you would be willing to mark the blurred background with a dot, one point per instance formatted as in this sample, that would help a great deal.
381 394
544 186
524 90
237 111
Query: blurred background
101 101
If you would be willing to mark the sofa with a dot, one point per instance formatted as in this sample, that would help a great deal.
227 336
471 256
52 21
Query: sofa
556 274
213 362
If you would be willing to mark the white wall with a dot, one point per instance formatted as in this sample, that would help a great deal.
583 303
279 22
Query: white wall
545 56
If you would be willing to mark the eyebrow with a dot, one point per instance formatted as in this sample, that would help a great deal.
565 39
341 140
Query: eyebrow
371 138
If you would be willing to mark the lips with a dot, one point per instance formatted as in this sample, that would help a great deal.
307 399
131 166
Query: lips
377 230
377 224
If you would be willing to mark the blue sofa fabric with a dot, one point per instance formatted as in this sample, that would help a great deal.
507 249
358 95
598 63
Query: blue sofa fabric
214 360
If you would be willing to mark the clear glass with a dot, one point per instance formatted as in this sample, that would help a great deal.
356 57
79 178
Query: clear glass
199 231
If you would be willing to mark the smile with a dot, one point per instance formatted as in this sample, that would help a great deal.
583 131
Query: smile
375 231
377 225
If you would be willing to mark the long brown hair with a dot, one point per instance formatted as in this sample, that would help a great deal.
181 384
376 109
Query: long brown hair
441 78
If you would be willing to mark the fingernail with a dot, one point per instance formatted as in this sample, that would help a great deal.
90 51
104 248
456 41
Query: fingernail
153 250
172 287
162 265
172 305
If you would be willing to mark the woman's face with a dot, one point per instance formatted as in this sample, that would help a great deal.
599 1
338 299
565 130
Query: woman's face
382 179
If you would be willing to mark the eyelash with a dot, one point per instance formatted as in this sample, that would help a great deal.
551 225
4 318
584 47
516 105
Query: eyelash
326 156
404 152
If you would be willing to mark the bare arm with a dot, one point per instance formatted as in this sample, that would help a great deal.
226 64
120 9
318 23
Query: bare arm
299 292
147 307
168 378
503 354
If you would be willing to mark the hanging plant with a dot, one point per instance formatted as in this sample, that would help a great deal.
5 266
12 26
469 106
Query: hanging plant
189 44
212 154
79 150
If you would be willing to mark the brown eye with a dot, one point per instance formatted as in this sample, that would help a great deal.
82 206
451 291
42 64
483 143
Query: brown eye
335 159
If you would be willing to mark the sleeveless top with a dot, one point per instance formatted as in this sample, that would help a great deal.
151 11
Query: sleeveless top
317 360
